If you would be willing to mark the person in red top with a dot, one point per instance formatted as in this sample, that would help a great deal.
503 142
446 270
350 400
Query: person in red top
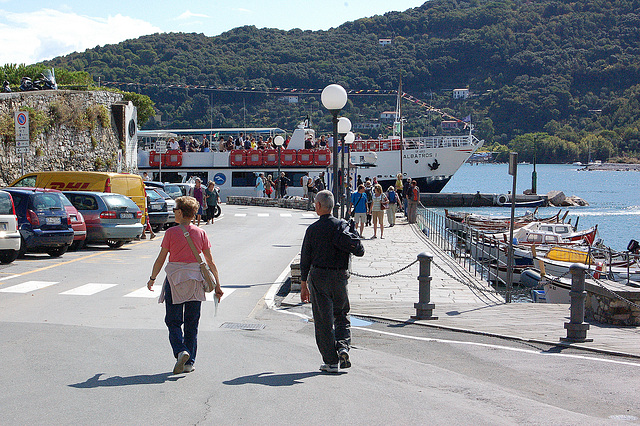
183 288
414 198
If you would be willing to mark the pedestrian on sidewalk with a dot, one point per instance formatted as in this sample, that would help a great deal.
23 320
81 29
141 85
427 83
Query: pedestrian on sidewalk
368 189
183 287
406 195
324 267
379 203
259 187
393 205
213 197
414 198
198 192
359 203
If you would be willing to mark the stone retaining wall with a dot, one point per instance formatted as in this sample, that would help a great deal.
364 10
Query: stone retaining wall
604 307
65 133
286 203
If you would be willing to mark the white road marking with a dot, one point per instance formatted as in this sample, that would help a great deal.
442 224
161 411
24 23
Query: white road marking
145 293
263 214
285 214
88 289
240 214
227 292
28 286
506 348
308 215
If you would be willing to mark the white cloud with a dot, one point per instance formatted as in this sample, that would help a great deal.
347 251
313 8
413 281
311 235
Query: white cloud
241 10
188 15
44 34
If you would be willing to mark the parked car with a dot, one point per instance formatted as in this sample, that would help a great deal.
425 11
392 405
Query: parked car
111 219
171 203
77 223
172 189
9 235
157 209
185 187
43 221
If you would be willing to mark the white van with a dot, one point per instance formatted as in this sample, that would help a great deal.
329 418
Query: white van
9 234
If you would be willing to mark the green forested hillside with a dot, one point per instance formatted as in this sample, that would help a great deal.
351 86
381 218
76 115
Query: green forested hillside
563 75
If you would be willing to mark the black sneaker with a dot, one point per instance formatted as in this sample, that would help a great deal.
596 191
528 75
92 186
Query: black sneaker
343 354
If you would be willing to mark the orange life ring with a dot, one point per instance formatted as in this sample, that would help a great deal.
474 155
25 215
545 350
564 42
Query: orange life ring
289 157
385 145
358 146
254 157
173 158
372 146
305 157
270 157
322 157
238 157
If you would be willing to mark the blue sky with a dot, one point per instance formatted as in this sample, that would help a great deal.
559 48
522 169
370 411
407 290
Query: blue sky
31 31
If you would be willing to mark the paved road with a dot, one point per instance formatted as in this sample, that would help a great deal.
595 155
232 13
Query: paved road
85 345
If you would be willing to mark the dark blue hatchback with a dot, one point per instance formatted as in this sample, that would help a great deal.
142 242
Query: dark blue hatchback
42 220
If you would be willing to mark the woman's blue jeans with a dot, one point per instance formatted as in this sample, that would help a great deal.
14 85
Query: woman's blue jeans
187 314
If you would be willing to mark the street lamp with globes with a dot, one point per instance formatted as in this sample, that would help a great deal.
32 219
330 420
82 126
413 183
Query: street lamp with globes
347 140
344 127
334 98
278 141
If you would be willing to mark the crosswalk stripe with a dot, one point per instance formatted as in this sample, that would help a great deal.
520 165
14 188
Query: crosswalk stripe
145 293
227 292
88 289
28 286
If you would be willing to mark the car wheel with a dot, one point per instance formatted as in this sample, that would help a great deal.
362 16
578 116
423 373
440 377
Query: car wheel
8 256
218 211
58 251
114 244
23 248
76 245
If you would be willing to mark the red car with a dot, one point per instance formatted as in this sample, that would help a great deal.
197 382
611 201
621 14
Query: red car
75 219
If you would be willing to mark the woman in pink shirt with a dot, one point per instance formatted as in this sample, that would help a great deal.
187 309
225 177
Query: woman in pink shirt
183 288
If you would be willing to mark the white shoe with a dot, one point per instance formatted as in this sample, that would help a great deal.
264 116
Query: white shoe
183 357
188 368
330 368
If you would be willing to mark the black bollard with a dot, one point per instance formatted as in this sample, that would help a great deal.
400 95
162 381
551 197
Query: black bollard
424 309
576 327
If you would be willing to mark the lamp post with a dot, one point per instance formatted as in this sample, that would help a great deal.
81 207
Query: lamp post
334 98
344 127
278 141
347 140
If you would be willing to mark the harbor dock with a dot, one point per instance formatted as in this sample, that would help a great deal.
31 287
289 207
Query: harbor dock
478 199
462 301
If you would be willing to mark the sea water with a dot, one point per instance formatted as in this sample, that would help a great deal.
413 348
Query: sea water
613 197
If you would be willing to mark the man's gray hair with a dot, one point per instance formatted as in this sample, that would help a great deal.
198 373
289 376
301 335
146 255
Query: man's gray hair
325 199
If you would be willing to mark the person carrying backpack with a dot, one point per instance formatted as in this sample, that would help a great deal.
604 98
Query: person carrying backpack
394 201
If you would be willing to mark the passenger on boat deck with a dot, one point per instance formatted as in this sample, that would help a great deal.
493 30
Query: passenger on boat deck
173 144
205 145
182 144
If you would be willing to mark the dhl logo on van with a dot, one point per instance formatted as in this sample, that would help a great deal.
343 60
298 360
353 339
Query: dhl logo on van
70 186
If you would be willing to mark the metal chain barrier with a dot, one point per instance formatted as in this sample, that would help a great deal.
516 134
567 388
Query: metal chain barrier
387 274
617 296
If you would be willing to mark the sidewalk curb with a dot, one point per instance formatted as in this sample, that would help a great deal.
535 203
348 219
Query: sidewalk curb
500 336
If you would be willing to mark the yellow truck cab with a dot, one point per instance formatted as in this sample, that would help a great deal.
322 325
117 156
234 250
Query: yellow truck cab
120 183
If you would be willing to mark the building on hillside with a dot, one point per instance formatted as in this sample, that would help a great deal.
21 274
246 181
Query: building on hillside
289 99
388 115
384 41
460 93
448 126
368 125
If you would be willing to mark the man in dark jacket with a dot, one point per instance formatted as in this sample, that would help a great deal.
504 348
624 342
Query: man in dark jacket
324 267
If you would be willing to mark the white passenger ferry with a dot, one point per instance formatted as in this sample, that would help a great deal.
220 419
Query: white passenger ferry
431 161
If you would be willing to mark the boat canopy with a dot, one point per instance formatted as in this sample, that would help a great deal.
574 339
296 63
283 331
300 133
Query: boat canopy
271 131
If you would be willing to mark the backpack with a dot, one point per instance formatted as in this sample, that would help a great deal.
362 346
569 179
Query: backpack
392 197
347 239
